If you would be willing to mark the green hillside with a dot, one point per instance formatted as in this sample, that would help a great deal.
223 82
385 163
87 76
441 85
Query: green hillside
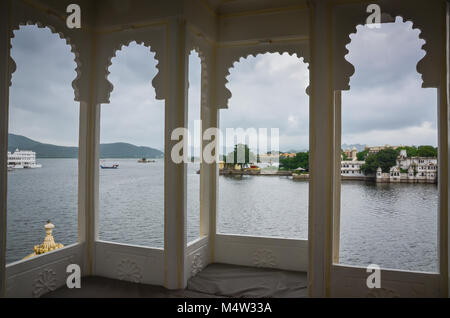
113 150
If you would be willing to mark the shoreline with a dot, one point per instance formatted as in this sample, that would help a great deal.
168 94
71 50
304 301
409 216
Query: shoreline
305 177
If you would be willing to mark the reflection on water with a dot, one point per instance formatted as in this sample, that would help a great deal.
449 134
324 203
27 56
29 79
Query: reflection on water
131 204
269 206
38 195
392 225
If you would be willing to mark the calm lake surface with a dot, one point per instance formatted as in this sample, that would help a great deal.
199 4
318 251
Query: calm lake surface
392 225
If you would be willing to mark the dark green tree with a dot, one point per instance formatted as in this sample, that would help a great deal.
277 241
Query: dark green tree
411 151
427 151
371 165
246 156
301 160
385 159
361 156
344 156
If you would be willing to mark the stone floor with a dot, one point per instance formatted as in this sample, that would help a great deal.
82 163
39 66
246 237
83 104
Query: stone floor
216 280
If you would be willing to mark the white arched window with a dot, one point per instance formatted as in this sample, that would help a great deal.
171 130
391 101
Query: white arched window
42 141
269 102
391 222
131 197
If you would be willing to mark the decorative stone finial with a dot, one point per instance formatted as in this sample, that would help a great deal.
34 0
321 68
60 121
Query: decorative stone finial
49 242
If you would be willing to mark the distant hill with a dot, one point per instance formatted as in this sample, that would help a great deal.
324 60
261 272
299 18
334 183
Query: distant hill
295 151
113 150
124 150
357 146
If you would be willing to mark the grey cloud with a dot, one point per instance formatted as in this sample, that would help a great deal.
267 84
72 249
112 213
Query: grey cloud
268 91
384 56
385 99
386 93
41 98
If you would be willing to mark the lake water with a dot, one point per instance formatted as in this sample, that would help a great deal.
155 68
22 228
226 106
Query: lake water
392 225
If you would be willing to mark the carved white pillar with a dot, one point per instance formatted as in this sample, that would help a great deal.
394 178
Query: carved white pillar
207 110
175 174
205 185
337 175
4 105
448 112
88 182
209 224
443 169
205 171
88 157
321 151
209 184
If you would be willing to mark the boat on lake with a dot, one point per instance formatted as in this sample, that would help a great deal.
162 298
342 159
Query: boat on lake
21 159
145 160
113 166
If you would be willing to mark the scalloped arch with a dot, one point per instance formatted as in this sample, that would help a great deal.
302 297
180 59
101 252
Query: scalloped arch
223 93
53 30
120 47
349 75
204 74
195 41
109 44
428 28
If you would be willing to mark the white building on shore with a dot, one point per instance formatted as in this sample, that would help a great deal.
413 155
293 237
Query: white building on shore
410 170
407 169
22 159
351 168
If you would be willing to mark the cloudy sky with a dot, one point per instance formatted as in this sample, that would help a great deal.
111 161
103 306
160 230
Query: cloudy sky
386 103
41 95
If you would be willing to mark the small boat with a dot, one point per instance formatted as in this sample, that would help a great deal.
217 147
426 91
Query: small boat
33 166
145 160
10 169
114 166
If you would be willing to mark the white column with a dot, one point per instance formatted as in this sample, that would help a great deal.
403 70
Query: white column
4 105
210 119
205 170
321 151
337 175
207 110
213 188
175 174
88 182
88 157
443 171
448 148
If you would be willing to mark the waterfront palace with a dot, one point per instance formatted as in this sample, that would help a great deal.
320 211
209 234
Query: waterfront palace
408 170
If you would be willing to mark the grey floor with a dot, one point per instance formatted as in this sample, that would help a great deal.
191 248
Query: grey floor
216 280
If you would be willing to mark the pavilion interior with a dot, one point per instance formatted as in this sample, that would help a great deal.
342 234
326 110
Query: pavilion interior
221 32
